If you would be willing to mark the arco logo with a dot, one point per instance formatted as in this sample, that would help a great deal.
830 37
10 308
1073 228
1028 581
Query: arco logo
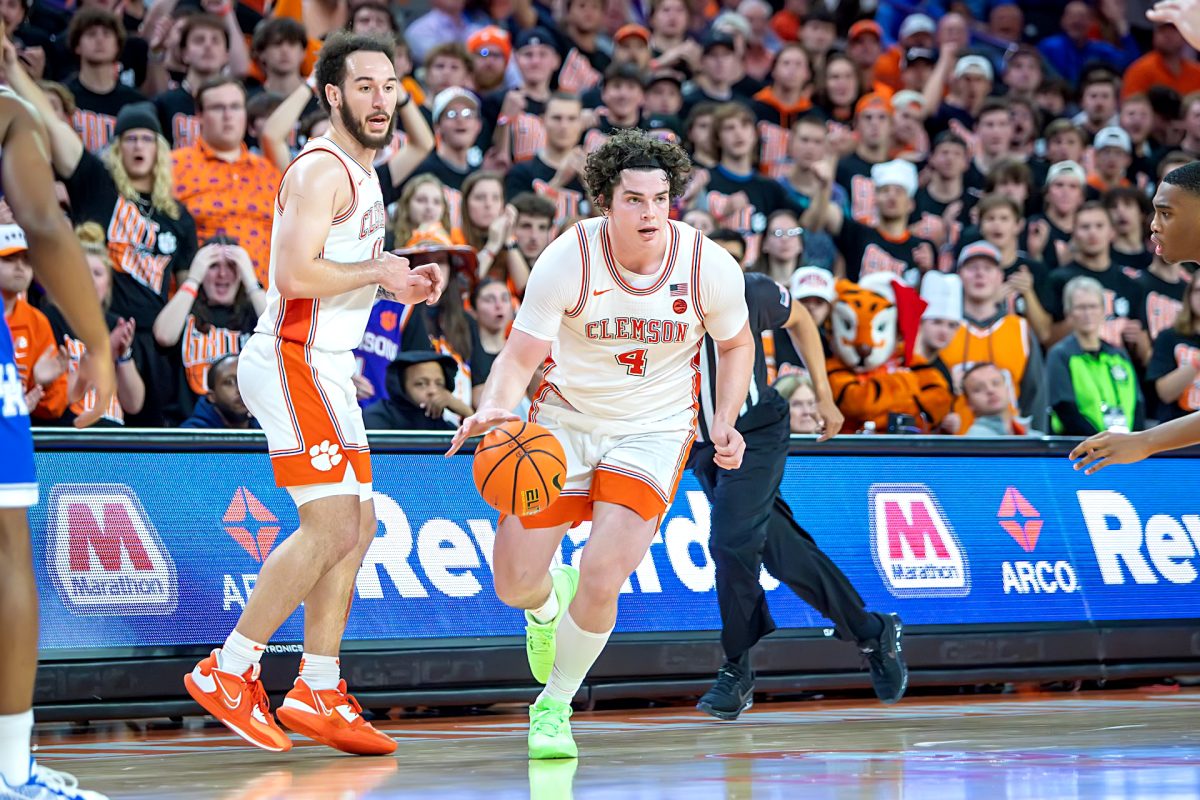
243 506
1020 519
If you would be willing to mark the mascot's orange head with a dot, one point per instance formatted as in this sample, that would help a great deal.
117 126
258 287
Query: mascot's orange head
864 322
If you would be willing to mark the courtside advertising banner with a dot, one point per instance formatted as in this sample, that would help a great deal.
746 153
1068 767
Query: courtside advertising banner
162 550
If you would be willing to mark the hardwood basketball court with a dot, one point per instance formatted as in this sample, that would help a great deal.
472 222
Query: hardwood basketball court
1062 746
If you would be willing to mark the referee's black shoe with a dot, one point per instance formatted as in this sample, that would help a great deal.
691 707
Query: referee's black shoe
885 659
733 692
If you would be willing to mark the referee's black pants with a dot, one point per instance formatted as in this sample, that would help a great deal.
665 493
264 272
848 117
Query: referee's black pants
752 526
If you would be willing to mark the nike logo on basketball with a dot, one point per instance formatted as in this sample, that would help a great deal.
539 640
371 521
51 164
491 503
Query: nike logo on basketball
557 481
598 292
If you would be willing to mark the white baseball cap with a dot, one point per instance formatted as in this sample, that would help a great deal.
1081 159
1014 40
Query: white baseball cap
917 23
977 64
1066 168
1112 136
12 240
813 282
896 172
447 96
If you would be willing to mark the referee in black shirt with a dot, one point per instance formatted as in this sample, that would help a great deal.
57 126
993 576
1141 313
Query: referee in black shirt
753 526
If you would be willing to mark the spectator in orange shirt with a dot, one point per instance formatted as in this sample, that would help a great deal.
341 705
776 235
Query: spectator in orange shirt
40 363
1165 65
229 190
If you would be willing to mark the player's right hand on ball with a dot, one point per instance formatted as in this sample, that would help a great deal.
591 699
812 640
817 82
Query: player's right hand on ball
479 422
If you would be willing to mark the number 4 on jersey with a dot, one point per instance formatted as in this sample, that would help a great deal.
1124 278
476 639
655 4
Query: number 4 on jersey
634 361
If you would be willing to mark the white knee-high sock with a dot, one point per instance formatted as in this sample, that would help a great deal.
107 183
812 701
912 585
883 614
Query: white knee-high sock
575 653
15 730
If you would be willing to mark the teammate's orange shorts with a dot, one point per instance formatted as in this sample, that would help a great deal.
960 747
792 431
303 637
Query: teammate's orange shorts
307 406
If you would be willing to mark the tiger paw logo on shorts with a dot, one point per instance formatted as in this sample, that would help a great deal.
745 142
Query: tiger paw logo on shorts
324 456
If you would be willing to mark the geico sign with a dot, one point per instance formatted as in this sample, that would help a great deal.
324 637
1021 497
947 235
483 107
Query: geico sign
1123 544
104 554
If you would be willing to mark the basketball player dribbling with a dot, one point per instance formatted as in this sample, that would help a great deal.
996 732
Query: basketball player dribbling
1176 235
327 262
59 265
620 305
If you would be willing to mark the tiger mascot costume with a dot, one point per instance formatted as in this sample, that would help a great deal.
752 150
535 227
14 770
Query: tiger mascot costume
870 374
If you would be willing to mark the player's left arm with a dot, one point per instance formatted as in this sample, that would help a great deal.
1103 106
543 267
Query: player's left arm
722 298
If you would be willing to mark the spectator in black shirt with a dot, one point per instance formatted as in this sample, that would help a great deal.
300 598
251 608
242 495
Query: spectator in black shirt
1164 286
205 45
521 109
622 95
944 195
96 36
737 196
1175 365
1023 72
557 170
839 88
1124 325
890 247
1000 224
222 408
994 132
719 71
585 55
1050 232
873 124
1130 209
457 124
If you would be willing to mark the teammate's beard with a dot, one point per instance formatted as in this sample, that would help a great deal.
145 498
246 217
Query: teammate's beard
356 129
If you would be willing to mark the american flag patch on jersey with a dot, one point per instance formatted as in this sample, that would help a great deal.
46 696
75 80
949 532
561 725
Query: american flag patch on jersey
678 290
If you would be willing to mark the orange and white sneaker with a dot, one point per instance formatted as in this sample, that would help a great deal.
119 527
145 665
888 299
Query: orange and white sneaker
334 718
239 702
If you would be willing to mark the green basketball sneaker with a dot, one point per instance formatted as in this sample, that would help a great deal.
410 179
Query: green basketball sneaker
550 730
540 636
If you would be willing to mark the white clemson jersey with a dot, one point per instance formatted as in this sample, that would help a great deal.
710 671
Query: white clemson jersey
336 323
626 346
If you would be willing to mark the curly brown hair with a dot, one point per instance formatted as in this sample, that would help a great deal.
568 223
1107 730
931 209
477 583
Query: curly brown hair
633 148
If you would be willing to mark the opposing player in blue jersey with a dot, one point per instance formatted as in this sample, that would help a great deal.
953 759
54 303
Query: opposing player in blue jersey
59 265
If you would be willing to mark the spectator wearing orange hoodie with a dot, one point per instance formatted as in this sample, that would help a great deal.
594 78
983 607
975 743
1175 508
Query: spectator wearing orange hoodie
40 363
779 105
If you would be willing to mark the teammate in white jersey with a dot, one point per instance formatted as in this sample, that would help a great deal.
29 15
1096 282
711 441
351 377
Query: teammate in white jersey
620 304
327 262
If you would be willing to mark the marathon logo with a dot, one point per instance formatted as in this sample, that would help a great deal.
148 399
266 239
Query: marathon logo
915 549
1163 549
105 556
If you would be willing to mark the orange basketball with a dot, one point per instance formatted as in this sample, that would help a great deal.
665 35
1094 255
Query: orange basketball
519 468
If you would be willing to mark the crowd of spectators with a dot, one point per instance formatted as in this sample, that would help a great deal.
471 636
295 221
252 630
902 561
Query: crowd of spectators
1012 147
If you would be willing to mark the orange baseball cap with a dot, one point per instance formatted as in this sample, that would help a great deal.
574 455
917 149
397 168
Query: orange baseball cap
872 100
632 29
490 37
864 27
